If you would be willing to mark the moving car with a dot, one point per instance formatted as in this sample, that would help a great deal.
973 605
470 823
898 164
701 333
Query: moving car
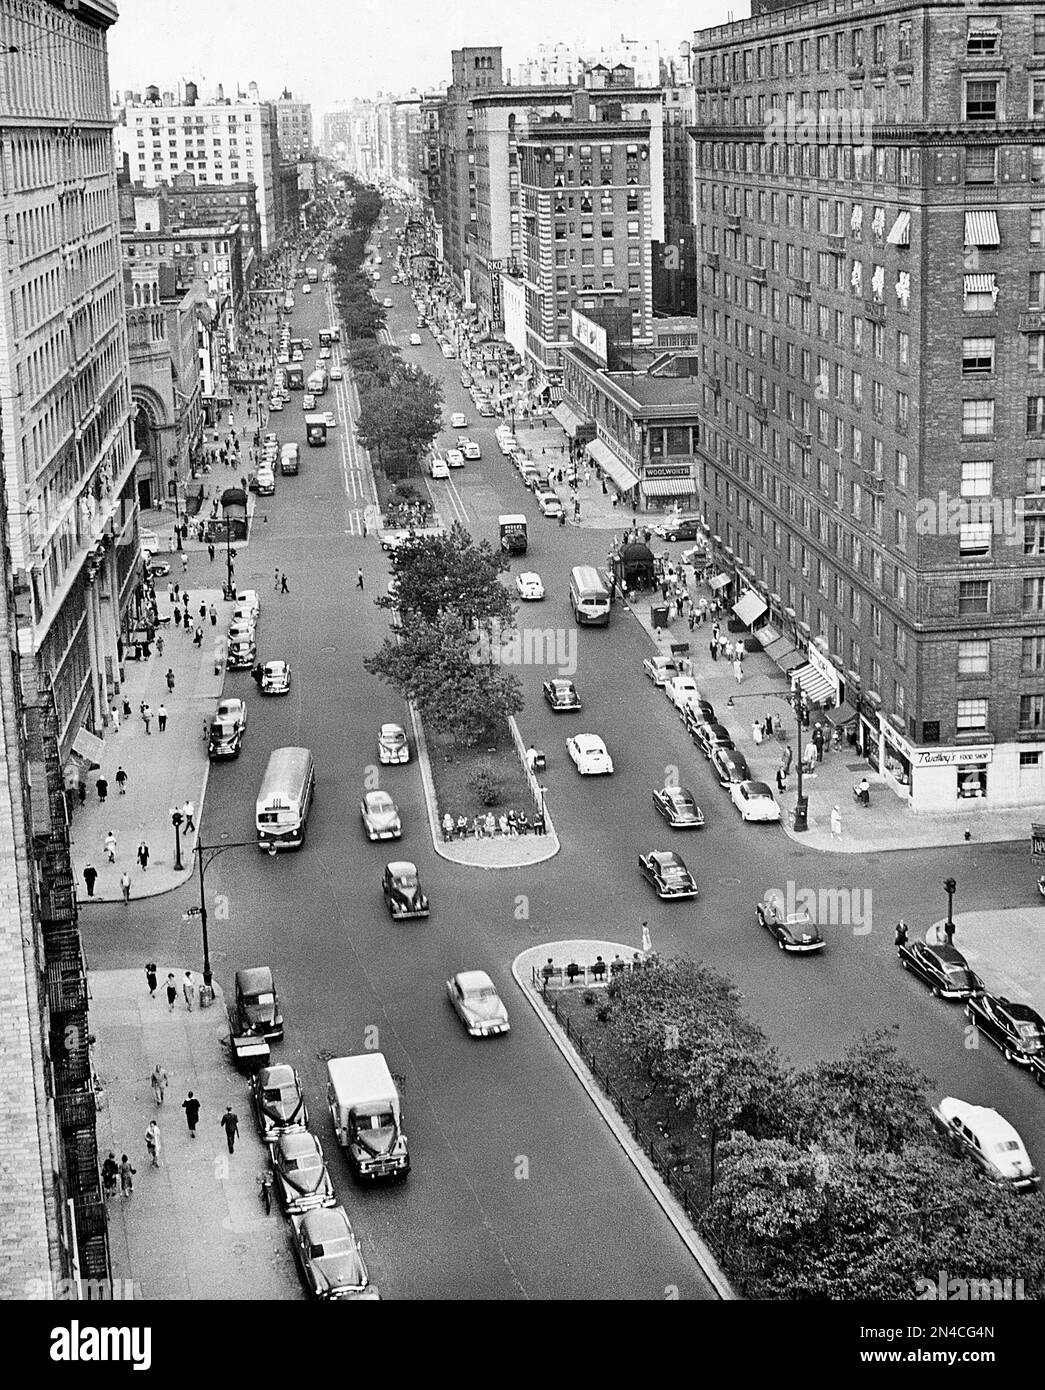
306 288
275 678
549 504
387 303
415 340
328 1253
330 419
562 695
337 373
942 967
308 401
458 420
681 691
380 817
754 801
438 467
683 528
300 1173
729 766
793 928
401 887
589 755
392 745
710 736
324 354
529 586
668 875
1017 1029
279 1101
477 1003
660 669
227 728
678 807
989 1140
471 450
454 458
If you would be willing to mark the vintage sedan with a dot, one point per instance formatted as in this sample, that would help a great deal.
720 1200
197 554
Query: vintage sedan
454 458
698 712
392 745
300 1174
660 669
243 630
529 586
942 967
754 801
337 373
477 1003
415 340
471 450
401 887
989 1140
458 420
709 736
227 727
380 816
791 925
330 419
275 678
549 503
242 654
678 807
562 696
231 711
279 1101
1017 1029
682 691
589 754
729 766
664 870
328 1253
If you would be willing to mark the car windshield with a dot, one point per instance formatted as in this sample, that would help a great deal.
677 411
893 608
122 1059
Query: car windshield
1030 1031
254 999
276 1094
302 1164
482 992
384 1119
407 881
342 1245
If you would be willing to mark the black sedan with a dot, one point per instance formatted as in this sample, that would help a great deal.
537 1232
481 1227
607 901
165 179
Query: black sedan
709 736
678 807
729 765
279 1102
562 695
402 890
300 1173
1017 1029
943 968
790 924
665 871
697 712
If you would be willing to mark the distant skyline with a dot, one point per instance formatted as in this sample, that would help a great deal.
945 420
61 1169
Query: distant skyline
327 52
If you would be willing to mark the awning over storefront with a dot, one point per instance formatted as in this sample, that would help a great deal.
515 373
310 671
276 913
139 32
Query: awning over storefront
87 747
788 659
841 714
816 686
718 581
569 419
615 469
749 608
668 487
549 393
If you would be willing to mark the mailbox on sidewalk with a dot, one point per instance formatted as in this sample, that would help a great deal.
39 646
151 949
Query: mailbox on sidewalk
659 615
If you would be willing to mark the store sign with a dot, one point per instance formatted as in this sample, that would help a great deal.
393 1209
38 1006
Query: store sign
590 335
897 741
950 757
822 666
655 471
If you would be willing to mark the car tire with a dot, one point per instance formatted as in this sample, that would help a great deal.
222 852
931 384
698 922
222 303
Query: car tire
1006 1052
904 964
760 916
780 943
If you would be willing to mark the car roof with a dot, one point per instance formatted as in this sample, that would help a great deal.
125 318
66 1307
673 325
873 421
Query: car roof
679 793
1017 1010
275 665
378 798
281 1074
589 741
665 857
325 1223
560 680
946 953
757 789
473 979
981 1119
391 728
400 868
298 1143
730 755
256 977
530 574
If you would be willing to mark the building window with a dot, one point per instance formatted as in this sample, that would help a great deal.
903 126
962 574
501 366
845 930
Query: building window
904 41
980 293
980 163
974 658
1032 655
1032 712
974 538
1036 352
978 417
977 356
1036 416
1034 594
971 714
974 596
1034 536
977 477
983 39
981 99
1034 477
1037 99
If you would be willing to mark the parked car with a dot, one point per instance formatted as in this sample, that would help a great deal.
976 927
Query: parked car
380 816
279 1101
660 669
549 503
256 1009
989 1140
942 967
275 678
681 691
1016 1029
477 1003
791 926
678 807
402 891
562 695
227 727
754 801
729 766
329 1256
300 1174
242 654
392 745
709 736
666 872
589 755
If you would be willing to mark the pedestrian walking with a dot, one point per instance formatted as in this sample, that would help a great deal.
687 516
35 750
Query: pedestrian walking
359 580
150 977
203 612
161 718
284 587
230 1124
189 812
210 551
738 670
110 847
781 780
836 823
818 742
756 733
171 990
90 877
713 649
647 940
186 619
901 933
114 716
102 787
143 855
213 616
789 754
191 1106
170 678
126 1176
197 636
154 1143
184 563
81 792
275 581
110 1175
188 989
125 887
177 623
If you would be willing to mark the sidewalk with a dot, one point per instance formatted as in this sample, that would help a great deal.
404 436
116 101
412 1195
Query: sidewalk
1006 948
164 770
195 1227
886 824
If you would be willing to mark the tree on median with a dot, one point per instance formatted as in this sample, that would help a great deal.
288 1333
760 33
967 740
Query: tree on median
452 576
399 422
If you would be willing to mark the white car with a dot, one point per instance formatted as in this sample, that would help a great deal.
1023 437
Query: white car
549 504
680 690
660 669
275 678
506 445
243 631
306 288
324 354
306 343
589 755
392 745
454 458
471 450
989 1139
248 598
308 401
329 419
754 801
336 374
438 467
275 402
529 586
415 340
387 304
458 420
477 1003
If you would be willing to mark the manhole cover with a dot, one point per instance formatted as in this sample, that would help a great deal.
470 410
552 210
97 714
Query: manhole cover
328 650
729 882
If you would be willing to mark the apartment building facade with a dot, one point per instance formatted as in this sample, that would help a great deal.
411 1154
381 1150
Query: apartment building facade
293 125
871 206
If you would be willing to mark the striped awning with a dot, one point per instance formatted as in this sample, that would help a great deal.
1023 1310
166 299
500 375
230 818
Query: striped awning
980 284
815 685
668 487
981 227
900 232
615 469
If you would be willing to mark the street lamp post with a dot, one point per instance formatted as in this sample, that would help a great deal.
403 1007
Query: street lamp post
176 821
798 703
949 887
212 851
230 587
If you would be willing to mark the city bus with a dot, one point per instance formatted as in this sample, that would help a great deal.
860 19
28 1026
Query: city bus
589 597
285 798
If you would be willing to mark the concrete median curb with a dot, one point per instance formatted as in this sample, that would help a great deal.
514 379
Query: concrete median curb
521 968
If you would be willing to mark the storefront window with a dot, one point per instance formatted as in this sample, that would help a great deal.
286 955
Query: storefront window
972 780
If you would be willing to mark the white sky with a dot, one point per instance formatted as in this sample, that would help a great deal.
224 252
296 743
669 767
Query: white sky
330 50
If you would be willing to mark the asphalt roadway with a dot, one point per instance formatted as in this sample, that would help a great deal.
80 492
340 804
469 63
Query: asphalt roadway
517 1189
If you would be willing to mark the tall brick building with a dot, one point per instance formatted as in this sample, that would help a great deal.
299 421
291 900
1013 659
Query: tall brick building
871 209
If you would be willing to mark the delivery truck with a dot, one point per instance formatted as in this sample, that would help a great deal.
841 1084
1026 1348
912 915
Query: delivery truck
513 533
367 1114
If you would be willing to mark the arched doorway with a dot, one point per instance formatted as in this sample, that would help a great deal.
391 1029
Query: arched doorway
147 441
